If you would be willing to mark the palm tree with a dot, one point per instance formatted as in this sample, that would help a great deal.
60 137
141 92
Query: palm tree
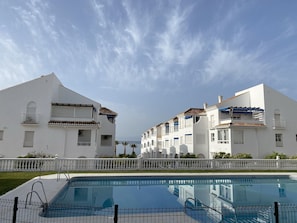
125 144
133 146
115 148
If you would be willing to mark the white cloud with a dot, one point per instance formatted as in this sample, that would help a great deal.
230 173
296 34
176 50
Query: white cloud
231 63
99 12
14 64
38 20
131 53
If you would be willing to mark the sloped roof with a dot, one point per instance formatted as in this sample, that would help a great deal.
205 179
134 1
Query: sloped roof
107 111
73 105
194 111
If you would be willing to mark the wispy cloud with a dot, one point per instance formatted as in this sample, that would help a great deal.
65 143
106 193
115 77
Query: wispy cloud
132 53
38 20
232 63
147 45
26 43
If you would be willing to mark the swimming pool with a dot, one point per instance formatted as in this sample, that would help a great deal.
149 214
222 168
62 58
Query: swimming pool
225 194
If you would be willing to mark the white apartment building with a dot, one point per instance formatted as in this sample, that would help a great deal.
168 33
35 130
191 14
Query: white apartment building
43 116
185 133
258 121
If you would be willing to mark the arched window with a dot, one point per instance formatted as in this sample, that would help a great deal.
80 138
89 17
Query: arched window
277 118
31 112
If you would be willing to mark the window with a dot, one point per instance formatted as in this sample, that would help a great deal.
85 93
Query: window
1 134
175 141
84 137
166 143
188 121
28 139
152 130
188 139
212 137
31 112
167 128
106 140
279 140
238 137
223 136
175 124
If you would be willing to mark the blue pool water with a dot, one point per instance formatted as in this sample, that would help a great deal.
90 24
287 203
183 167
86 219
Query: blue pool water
94 195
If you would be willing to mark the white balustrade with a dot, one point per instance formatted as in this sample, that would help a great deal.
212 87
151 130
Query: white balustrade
119 164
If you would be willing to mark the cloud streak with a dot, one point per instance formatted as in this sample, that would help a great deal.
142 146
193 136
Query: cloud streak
132 45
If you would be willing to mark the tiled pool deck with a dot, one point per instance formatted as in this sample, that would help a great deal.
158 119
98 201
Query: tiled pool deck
52 185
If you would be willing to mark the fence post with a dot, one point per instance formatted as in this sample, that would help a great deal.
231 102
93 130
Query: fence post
276 212
116 210
15 209
139 163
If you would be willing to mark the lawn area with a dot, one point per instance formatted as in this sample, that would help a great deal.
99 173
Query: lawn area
10 180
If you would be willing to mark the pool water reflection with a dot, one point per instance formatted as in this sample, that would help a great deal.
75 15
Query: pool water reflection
224 194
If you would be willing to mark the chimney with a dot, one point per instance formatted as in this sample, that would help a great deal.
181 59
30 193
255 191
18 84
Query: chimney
205 105
220 98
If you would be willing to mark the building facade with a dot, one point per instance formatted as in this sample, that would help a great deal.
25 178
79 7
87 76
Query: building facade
183 134
43 116
258 121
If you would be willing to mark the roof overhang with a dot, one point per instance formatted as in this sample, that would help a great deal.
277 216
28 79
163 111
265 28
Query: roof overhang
241 109
88 124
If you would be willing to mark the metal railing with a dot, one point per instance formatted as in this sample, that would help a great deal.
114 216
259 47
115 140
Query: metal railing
115 164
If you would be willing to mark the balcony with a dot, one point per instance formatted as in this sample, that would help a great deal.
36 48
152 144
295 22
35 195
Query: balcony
242 116
241 121
30 119
279 124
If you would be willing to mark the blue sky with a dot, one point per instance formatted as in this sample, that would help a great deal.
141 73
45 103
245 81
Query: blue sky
150 60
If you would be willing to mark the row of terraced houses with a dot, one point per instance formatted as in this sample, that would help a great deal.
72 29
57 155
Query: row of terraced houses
257 121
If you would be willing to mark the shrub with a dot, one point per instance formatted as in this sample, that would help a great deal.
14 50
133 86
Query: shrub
222 155
242 156
37 155
188 155
122 155
133 155
275 154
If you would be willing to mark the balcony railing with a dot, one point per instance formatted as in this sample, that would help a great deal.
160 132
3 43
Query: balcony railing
30 119
279 124
246 121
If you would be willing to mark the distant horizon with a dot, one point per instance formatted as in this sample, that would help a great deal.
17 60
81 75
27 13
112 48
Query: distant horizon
129 140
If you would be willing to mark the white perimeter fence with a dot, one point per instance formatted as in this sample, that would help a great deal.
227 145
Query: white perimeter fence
116 164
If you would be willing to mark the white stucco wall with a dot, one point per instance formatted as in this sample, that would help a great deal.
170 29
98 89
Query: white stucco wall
52 140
